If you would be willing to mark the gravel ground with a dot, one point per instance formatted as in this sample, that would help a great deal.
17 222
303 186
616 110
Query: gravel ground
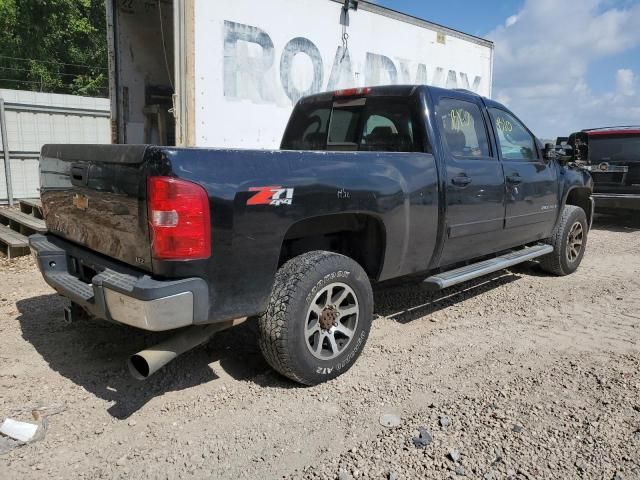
520 375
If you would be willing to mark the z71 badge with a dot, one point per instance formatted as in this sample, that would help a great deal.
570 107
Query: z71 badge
275 196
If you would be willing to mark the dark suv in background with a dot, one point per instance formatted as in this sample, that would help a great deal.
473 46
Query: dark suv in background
612 155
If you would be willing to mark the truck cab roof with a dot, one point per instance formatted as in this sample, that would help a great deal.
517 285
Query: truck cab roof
393 91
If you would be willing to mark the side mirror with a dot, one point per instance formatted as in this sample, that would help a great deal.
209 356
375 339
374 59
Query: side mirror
549 152
565 155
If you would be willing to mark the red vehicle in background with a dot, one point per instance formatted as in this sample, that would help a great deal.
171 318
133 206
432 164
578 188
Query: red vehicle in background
613 158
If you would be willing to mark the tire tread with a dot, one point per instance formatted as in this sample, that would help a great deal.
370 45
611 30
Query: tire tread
273 326
552 262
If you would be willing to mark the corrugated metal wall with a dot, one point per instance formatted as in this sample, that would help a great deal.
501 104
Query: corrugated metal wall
33 119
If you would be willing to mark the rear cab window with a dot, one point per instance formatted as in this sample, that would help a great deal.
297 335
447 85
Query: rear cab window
372 124
308 127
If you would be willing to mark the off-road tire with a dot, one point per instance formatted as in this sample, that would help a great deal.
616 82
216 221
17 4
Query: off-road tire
558 262
282 327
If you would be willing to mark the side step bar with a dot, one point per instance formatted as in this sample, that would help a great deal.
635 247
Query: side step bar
469 272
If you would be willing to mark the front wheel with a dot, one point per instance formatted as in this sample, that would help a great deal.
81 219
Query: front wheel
569 241
318 318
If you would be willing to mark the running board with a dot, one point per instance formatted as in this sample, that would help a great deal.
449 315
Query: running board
469 272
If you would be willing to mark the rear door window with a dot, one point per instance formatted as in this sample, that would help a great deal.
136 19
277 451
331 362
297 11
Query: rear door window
463 127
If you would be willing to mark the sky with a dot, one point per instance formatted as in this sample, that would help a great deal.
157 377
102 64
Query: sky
561 66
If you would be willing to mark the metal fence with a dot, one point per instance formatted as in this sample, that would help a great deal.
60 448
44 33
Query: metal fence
29 120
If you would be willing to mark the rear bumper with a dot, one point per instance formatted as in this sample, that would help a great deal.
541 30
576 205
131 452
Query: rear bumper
120 297
619 201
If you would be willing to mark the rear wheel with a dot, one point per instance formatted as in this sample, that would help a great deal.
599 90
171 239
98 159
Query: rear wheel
569 240
318 318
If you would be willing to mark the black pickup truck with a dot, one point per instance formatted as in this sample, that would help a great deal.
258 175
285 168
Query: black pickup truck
612 155
370 184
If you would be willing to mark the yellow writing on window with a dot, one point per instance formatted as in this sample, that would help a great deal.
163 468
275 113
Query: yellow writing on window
459 118
504 125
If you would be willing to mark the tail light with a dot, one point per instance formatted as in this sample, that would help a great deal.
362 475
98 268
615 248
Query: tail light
179 221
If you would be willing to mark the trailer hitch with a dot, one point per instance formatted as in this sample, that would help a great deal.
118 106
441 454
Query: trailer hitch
74 313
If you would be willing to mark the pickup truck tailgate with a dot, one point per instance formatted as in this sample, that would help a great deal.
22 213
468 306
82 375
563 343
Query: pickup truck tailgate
94 195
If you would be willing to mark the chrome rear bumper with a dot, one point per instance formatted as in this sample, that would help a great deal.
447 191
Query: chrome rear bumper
139 301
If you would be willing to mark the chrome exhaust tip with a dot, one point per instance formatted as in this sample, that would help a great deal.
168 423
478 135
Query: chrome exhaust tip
147 362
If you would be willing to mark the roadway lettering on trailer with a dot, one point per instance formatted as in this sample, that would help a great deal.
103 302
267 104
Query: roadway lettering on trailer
246 68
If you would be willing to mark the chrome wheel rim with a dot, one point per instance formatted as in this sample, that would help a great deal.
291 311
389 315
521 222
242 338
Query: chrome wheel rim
575 240
331 321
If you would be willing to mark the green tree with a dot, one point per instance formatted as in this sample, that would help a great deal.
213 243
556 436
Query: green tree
54 46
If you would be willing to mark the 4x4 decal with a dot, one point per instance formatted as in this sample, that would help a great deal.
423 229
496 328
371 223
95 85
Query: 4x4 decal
275 196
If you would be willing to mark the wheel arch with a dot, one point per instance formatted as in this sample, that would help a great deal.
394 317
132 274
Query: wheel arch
359 236
580 197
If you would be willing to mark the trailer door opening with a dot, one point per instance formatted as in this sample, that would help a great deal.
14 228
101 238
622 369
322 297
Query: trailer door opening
141 48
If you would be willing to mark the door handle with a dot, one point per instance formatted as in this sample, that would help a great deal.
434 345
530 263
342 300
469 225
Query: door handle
461 181
514 179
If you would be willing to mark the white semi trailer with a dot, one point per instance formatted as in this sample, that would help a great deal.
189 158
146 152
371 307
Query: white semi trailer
226 73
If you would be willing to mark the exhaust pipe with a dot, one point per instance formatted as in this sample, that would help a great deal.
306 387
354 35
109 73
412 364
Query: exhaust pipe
147 362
